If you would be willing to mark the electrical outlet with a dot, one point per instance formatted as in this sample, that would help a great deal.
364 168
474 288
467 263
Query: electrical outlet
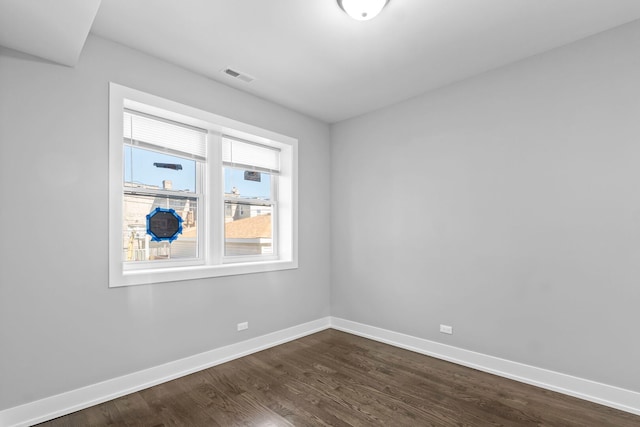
242 326
446 329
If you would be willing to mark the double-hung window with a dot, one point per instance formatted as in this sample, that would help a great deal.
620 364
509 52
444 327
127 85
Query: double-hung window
195 195
251 181
163 167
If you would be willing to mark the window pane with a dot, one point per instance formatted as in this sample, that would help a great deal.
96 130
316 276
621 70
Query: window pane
137 244
247 184
247 229
150 169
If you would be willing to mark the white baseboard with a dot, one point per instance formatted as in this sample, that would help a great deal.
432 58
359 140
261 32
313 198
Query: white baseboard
75 400
615 397
66 403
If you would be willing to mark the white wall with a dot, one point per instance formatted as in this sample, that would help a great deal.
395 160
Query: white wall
507 206
61 327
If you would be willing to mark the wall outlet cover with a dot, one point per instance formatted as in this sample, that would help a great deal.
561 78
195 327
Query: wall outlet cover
446 329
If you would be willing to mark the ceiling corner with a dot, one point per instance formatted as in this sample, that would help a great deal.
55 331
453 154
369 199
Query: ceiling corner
55 31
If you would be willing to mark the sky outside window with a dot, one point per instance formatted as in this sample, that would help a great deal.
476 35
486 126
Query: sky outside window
139 168
247 189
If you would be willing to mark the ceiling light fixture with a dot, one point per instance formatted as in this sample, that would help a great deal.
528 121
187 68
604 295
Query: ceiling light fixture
362 10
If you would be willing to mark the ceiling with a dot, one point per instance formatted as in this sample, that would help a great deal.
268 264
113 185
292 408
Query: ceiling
308 55
53 30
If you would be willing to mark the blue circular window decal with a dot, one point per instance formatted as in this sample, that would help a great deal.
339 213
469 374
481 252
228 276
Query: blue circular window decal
164 225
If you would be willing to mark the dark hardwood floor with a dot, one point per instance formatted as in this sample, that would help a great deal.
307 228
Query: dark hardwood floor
334 378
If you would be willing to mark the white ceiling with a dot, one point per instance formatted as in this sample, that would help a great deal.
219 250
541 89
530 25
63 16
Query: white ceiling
310 56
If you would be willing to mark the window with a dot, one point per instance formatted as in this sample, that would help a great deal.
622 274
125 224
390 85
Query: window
163 166
250 180
195 195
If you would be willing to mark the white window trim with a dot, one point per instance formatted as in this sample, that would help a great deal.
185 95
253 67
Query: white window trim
215 265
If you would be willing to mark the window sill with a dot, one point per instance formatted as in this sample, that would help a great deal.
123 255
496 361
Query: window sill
175 274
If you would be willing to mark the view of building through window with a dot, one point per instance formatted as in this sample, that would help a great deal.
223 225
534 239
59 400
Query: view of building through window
156 179
151 180
248 212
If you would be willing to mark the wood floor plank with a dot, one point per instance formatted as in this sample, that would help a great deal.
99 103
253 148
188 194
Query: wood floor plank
336 379
345 391
281 399
234 409
299 391
135 411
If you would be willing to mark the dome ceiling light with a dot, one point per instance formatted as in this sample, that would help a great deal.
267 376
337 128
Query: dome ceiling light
362 10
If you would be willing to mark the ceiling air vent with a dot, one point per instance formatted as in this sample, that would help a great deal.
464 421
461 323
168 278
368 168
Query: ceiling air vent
238 75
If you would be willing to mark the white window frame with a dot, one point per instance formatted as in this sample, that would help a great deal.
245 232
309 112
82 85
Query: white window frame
212 263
